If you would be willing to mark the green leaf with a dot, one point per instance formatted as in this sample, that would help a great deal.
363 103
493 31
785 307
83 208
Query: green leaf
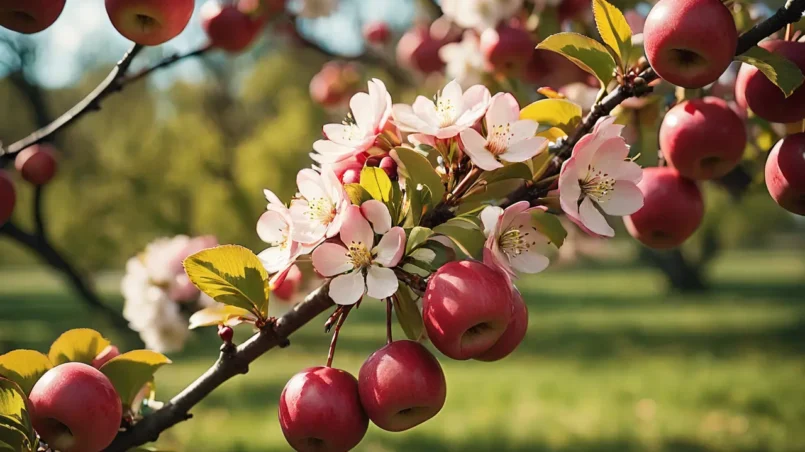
550 226
357 194
559 113
5 447
778 69
420 172
614 31
489 195
510 171
417 237
221 314
539 164
131 371
80 345
377 184
24 367
231 275
464 234
15 421
408 314
584 52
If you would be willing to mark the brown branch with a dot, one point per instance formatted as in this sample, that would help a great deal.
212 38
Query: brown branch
227 366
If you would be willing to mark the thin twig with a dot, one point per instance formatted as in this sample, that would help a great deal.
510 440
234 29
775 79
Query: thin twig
388 320
39 221
334 342
416 282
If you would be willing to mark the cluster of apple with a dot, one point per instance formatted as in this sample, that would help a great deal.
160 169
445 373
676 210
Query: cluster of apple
470 310
76 395
37 166
690 43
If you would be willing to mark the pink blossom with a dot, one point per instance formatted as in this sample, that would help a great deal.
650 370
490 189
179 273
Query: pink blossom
318 211
453 111
513 240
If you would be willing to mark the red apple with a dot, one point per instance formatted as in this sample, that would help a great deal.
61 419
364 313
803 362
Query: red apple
514 334
105 356
320 410
418 50
228 27
37 164
507 47
401 386
785 173
690 43
75 408
703 138
672 211
8 197
150 22
290 285
467 308
377 33
29 16
573 9
764 97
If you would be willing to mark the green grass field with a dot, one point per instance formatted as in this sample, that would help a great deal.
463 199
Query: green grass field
611 364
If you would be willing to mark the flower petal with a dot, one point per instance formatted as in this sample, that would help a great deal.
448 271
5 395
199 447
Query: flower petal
523 129
391 247
503 110
381 282
274 258
347 289
610 154
594 220
569 188
475 147
453 94
363 111
530 262
425 110
512 212
330 259
407 121
310 184
476 101
272 198
626 199
272 227
490 217
356 229
378 214
305 230
524 150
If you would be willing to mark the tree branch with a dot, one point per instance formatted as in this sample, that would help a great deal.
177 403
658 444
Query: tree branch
227 366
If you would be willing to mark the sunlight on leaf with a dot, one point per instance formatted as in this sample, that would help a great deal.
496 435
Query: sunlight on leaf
131 371
24 367
584 52
80 345
377 183
779 70
15 422
221 314
408 315
560 113
614 31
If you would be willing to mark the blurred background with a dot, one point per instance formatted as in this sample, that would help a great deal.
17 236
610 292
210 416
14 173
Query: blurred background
694 350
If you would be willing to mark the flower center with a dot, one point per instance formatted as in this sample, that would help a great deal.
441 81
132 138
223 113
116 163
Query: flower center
597 184
359 255
498 140
321 210
446 111
514 241
351 131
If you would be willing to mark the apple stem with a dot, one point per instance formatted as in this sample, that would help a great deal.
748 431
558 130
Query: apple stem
388 320
789 32
344 312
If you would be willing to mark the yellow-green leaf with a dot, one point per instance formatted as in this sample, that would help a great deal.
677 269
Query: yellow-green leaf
508 172
420 172
550 226
377 184
408 314
553 134
614 30
15 422
232 275
80 345
560 113
357 194
464 234
584 52
221 314
778 69
131 371
416 237
24 367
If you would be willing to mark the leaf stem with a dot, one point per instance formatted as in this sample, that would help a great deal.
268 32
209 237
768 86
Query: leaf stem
341 319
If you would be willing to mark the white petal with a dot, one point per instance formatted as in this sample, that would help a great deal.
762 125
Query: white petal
347 289
363 111
475 147
503 109
524 150
274 258
391 247
490 217
626 199
272 198
272 227
381 282
594 220
378 214
606 128
407 121
332 149
356 229
523 129
569 188
453 94
584 151
629 171
310 184
305 230
425 110
476 101
530 262
331 259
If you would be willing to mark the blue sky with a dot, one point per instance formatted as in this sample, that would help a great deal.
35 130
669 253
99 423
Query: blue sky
83 34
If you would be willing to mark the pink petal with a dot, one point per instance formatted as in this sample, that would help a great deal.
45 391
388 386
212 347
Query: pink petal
530 262
408 121
275 258
606 128
378 214
453 93
523 129
331 259
475 147
594 220
611 152
356 230
381 282
363 111
347 289
524 150
626 199
503 109
569 188
425 110
511 212
584 150
490 217
310 184
272 198
476 101
389 251
272 227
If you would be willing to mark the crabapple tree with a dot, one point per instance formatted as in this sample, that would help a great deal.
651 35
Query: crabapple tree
433 208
